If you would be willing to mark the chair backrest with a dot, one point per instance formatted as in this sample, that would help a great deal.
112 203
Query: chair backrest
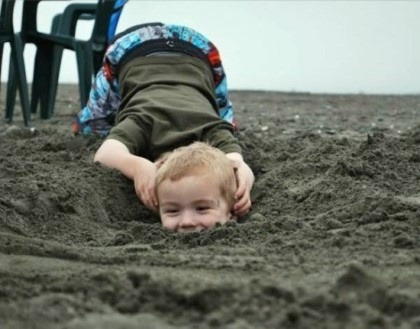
6 16
107 15
104 12
87 11
29 15
113 22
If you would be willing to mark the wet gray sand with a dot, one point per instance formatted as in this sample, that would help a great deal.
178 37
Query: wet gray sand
332 241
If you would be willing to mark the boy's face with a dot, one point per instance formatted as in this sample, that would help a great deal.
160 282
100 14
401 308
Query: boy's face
192 203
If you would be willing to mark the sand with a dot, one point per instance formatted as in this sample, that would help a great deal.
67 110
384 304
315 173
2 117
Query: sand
332 241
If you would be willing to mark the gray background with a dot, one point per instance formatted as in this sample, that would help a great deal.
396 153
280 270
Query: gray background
304 46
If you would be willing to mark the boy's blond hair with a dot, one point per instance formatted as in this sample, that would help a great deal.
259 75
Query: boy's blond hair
199 158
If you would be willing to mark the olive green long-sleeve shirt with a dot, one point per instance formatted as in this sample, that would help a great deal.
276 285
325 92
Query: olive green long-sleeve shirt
168 102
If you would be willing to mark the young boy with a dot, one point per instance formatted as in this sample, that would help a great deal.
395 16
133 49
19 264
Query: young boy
166 87
195 186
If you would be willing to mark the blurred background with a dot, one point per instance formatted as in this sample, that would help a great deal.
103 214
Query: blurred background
370 47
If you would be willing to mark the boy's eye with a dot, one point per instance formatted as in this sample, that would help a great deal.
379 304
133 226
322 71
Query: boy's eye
203 208
170 211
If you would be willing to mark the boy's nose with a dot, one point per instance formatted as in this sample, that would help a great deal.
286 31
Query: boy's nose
187 223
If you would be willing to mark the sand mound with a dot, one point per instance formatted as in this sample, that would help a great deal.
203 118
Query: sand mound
332 240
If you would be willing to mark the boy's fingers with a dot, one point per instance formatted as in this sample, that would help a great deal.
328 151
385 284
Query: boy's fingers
240 191
152 196
144 197
154 202
150 200
148 203
243 210
140 195
243 205
242 199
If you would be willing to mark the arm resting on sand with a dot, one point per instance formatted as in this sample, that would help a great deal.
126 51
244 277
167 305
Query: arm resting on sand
114 154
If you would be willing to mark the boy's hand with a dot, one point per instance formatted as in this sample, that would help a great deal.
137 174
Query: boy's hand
245 178
144 183
114 154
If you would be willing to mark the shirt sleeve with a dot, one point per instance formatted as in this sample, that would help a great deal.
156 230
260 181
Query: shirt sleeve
222 138
131 135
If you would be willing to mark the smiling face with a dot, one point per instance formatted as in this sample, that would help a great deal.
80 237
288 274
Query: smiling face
192 203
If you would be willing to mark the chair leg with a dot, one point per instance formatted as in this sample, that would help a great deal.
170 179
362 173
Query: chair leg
43 79
85 70
36 84
46 74
1 57
19 66
43 82
54 78
11 91
57 54
98 57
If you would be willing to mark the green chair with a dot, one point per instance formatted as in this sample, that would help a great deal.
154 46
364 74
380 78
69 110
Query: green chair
16 58
89 53
63 24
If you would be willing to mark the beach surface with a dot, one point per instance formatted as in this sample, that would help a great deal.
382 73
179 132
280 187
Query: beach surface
332 241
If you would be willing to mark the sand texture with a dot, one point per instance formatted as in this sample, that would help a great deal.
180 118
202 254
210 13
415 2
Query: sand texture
332 241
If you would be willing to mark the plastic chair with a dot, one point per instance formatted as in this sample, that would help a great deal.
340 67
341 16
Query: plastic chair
16 58
89 53
63 24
